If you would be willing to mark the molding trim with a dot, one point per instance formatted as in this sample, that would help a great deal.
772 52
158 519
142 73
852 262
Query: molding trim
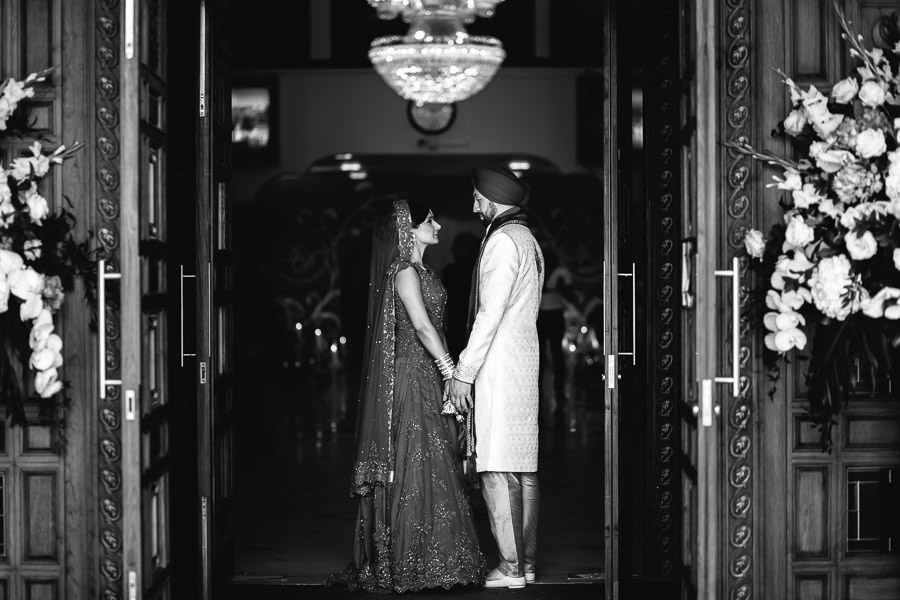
109 440
664 253
735 19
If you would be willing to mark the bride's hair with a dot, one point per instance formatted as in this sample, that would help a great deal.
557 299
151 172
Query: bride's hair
418 212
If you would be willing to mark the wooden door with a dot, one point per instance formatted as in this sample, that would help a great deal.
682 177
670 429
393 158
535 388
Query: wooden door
143 296
214 279
828 518
701 426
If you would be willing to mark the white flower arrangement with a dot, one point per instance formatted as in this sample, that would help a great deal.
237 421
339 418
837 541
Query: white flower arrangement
835 257
38 258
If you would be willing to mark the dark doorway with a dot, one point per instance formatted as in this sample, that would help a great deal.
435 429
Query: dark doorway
301 241
302 281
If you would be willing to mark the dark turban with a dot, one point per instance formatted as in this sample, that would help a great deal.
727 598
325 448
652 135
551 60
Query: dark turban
500 185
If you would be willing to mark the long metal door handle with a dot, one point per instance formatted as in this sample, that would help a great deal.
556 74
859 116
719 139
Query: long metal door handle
181 279
611 371
735 274
633 353
102 276
706 403
687 276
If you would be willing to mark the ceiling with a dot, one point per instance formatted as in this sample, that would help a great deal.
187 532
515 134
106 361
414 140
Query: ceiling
279 34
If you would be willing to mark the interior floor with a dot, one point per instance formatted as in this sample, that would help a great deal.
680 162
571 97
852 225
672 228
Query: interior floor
295 516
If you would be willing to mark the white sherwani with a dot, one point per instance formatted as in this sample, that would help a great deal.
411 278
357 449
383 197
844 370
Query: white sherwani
502 354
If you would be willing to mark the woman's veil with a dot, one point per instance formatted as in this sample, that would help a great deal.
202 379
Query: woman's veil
392 241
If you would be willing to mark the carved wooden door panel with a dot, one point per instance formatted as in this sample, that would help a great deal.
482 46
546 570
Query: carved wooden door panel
215 302
142 284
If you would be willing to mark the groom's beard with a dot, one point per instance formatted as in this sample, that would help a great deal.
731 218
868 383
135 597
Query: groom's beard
487 217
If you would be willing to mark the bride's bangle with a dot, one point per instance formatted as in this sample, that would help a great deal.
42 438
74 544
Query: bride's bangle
445 365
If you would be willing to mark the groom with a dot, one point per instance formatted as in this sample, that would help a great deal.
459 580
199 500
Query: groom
501 361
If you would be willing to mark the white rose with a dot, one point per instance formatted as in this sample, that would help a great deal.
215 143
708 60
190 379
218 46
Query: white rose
10 262
754 243
861 247
795 122
798 233
872 93
25 283
845 90
831 161
870 143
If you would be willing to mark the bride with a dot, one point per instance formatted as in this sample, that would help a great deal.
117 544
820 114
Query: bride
414 528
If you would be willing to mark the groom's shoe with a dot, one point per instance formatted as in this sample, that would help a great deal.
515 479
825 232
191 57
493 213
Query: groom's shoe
496 579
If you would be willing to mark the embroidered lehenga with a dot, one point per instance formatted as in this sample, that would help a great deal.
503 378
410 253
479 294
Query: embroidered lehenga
415 528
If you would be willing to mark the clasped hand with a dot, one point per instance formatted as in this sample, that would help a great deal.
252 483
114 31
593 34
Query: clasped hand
460 394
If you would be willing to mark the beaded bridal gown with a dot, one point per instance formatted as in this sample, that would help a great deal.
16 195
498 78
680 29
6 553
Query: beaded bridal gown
417 532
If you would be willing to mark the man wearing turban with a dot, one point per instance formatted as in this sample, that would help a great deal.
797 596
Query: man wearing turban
497 374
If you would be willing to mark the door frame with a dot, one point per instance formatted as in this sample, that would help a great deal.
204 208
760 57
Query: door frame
610 181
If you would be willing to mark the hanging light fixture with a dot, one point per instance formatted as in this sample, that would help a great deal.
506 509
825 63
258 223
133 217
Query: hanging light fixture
437 61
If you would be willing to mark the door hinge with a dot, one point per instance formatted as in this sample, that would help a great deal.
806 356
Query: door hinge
202 372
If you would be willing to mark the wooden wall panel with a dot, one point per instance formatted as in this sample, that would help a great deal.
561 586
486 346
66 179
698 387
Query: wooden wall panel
41 589
812 37
41 512
869 587
870 432
812 587
38 40
810 60
811 508
36 552
806 435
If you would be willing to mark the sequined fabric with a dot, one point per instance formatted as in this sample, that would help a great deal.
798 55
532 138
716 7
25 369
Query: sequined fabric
417 532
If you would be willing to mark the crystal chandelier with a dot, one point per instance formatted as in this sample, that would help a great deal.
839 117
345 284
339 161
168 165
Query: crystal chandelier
437 61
